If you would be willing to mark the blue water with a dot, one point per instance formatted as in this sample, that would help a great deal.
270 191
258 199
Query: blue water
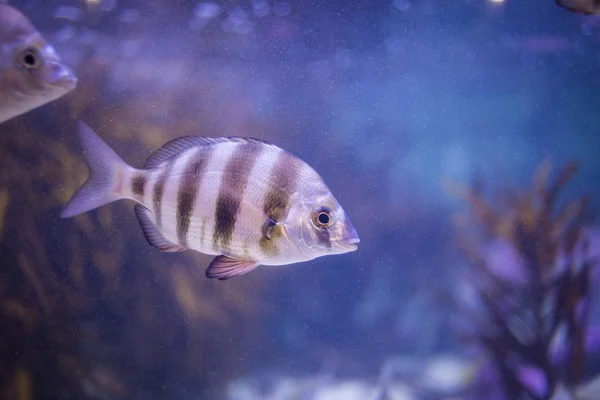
392 102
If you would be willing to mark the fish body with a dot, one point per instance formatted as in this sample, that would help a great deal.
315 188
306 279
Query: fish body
31 72
243 200
585 7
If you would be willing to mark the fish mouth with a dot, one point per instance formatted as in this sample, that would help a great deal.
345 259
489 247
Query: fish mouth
347 247
63 77
349 240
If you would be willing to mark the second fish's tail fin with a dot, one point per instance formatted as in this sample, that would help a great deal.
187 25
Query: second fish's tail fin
104 166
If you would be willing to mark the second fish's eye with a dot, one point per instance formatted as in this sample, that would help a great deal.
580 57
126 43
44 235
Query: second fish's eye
323 217
30 59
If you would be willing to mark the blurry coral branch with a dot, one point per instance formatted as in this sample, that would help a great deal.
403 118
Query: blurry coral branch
529 280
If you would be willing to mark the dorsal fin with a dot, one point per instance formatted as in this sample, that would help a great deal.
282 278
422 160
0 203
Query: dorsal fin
179 145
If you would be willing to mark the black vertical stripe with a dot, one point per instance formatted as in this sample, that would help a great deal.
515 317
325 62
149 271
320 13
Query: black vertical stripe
138 184
159 191
283 181
324 237
231 192
188 191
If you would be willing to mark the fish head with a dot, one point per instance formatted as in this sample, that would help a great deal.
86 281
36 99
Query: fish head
319 223
31 71
35 72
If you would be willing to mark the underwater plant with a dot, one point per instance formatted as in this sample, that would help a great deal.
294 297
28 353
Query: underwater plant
87 309
529 287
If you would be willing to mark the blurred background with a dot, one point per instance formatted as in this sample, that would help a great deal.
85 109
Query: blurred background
461 137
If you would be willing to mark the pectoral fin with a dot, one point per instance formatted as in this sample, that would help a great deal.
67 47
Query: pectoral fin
223 267
151 232
267 228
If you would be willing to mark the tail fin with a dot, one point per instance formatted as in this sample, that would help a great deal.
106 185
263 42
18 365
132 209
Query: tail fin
103 164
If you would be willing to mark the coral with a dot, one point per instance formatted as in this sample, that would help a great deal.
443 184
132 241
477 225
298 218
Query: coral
530 283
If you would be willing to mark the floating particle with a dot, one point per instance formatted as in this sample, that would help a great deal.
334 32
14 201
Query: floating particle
260 8
281 9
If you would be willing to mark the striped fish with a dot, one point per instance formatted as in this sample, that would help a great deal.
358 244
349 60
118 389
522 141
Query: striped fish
31 72
242 200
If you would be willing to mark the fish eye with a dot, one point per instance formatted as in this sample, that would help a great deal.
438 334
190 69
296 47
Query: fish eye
323 217
30 59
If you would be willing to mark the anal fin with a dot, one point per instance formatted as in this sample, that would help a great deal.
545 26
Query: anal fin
152 234
223 267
